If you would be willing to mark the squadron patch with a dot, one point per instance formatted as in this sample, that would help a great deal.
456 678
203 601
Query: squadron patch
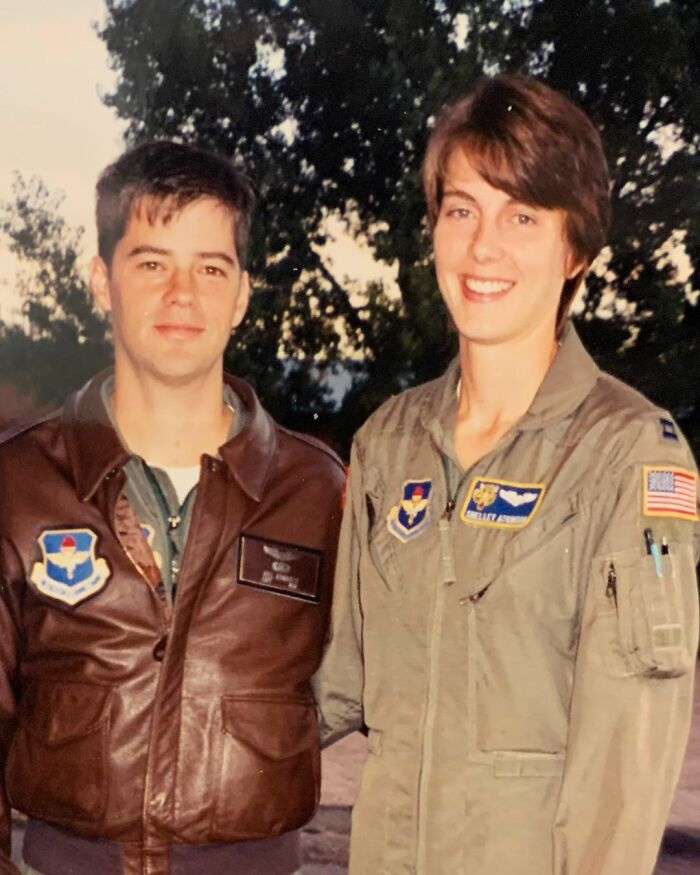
502 504
70 572
669 491
410 517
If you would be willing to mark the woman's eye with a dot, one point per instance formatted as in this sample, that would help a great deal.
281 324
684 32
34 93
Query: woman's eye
524 219
459 212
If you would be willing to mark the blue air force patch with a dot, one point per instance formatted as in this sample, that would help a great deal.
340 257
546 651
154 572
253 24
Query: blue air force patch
410 518
70 571
503 504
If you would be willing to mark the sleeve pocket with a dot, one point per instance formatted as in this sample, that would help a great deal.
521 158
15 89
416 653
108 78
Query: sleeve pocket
649 624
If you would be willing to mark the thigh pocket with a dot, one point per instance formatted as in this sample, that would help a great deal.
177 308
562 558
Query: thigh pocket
269 780
645 615
56 766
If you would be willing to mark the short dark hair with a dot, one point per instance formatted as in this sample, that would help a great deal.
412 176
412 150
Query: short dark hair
528 140
170 176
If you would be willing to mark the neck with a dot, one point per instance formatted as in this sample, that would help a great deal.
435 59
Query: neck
498 385
170 425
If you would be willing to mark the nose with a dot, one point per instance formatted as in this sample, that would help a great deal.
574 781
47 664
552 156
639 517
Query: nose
181 289
486 242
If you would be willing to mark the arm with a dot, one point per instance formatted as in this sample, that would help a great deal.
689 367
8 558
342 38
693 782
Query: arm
339 682
633 684
9 647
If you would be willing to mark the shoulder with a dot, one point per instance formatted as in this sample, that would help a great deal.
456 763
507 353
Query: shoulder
315 448
631 427
25 431
403 413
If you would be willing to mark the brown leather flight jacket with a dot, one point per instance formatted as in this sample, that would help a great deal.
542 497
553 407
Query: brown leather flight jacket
121 719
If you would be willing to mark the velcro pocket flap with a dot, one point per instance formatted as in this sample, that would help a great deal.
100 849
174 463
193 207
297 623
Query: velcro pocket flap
276 729
58 712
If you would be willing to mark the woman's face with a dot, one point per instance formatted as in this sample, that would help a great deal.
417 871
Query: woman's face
500 263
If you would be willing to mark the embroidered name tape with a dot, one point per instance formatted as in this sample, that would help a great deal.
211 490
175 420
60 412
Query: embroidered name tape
70 571
503 504
669 491
282 569
409 518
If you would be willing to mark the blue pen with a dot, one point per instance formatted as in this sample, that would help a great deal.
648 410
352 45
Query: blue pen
653 551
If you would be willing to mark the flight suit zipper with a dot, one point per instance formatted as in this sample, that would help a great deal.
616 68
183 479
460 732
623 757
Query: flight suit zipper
448 577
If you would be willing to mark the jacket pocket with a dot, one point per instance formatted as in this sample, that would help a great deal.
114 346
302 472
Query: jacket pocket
643 615
56 766
269 781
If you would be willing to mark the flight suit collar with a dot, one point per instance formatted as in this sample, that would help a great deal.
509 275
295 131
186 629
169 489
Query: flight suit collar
568 381
96 453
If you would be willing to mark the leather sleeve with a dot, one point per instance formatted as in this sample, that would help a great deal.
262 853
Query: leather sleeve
633 679
9 650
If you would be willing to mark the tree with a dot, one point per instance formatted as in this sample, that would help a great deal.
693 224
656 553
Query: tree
329 102
63 341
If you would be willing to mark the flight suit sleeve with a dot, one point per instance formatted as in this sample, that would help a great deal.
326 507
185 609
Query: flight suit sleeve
9 648
339 681
631 708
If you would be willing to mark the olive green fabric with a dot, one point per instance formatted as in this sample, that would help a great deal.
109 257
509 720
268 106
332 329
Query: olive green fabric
525 714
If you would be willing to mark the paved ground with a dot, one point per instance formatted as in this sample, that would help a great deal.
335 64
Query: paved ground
326 837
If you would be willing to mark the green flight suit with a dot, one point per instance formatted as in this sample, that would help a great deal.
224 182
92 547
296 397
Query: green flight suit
520 651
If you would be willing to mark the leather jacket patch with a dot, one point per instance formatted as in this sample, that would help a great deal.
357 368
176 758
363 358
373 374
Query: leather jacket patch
283 569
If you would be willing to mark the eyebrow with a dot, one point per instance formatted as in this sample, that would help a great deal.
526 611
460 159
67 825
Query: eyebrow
465 196
157 250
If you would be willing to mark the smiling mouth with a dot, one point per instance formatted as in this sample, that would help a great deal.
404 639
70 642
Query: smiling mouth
485 290
178 331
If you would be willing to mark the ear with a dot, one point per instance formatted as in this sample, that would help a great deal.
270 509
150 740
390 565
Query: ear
574 265
99 284
242 299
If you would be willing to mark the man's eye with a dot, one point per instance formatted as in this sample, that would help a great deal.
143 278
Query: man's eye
150 265
213 270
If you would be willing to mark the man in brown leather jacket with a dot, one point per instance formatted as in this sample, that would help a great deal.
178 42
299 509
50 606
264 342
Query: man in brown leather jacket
166 552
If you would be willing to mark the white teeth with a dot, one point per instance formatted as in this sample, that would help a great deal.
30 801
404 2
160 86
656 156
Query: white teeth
486 287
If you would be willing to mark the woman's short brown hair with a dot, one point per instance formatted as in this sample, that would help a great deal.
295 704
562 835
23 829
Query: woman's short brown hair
528 140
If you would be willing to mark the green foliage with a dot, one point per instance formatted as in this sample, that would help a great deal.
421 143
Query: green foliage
62 340
328 103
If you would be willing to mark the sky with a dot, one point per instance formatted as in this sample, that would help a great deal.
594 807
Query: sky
53 69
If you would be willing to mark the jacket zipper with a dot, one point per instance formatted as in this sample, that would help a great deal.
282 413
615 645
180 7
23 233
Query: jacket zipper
145 816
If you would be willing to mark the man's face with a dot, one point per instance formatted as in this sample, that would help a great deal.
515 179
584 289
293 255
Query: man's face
500 263
175 290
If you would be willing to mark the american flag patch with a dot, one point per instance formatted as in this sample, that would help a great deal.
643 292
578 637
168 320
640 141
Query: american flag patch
670 492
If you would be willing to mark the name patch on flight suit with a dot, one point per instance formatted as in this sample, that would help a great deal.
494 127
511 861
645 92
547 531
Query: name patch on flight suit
669 491
409 518
282 569
503 504
70 571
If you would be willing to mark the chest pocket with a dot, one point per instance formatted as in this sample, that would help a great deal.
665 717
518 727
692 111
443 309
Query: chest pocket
521 620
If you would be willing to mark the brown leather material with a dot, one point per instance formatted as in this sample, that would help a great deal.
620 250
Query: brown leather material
134 725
